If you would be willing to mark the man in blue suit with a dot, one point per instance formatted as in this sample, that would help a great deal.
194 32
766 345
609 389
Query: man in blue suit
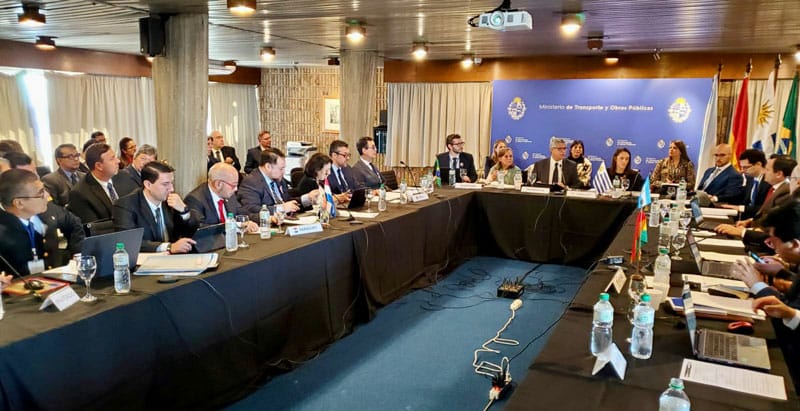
723 183
266 186
341 178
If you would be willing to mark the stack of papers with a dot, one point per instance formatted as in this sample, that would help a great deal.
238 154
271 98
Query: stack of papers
183 265
717 212
734 379
723 242
706 281
725 258
731 306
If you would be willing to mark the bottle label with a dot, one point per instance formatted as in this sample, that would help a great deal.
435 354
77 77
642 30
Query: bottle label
606 316
646 317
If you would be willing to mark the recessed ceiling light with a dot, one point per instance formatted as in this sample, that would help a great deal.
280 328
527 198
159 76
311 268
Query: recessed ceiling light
45 43
31 17
419 50
355 31
612 57
467 60
242 7
571 23
230 65
267 53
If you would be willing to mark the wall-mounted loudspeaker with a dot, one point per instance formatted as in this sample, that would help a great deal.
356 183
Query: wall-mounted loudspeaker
152 37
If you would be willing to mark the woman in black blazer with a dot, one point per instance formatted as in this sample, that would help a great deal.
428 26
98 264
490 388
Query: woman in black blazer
315 172
621 167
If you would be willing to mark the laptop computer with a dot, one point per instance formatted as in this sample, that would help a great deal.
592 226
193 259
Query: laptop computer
723 347
102 247
358 199
710 268
209 238
699 220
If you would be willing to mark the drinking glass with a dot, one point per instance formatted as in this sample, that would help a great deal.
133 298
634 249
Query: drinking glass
462 172
671 191
501 177
678 241
532 177
241 225
87 265
369 201
626 184
663 208
685 219
635 290
280 214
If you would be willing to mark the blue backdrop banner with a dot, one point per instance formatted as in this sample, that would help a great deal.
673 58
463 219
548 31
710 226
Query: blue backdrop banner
640 115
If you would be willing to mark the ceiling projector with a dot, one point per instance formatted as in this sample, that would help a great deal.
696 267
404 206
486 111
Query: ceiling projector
506 20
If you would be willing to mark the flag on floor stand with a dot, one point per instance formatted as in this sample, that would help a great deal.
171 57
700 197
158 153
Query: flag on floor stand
709 139
437 174
763 137
331 204
788 137
602 182
640 235
738 137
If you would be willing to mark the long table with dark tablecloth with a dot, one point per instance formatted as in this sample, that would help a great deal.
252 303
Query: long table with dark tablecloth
204 341
561 376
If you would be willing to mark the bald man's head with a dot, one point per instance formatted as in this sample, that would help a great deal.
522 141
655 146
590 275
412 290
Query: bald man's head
722 155
223 179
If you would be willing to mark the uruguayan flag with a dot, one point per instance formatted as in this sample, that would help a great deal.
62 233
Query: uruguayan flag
602 182
329 199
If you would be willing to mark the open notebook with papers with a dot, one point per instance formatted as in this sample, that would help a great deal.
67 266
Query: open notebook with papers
178 265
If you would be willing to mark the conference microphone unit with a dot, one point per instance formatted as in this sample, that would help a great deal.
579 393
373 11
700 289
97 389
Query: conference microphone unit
410 173
32 286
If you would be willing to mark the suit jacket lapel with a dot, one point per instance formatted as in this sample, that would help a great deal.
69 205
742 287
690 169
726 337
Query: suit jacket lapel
100 194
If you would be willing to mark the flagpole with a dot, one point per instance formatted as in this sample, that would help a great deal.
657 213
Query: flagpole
778 63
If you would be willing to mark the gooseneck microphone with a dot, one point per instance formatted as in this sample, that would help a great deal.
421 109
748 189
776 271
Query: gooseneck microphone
33 286
410 173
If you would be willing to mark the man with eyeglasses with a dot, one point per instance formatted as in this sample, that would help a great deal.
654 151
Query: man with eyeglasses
722 183
220 153
752 163
30 225
555 170
92 199
365 174
60 182
130 178
254 154
210 202
266 186
341 179
456 159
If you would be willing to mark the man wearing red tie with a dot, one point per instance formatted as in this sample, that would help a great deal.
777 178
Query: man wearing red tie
211 201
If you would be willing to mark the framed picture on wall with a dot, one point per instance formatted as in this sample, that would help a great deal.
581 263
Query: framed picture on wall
331 115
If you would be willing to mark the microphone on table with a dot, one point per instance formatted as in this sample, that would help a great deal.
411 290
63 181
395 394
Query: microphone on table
411 173
32 286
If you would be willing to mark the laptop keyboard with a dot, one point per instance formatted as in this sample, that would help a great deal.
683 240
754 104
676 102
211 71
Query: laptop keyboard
721 346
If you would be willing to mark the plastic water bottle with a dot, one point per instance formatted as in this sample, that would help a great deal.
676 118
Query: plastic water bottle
451 177
382 198
642 335
674 398
661 269
264 228
674 218
122 272
601 325
665 233
654 216
680 197
231 242
518 181
403 188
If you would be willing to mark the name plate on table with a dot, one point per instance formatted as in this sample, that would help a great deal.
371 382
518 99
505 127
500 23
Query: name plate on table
618 282
581 193
468 186
612 356
417 197
304 229
61 299
536 190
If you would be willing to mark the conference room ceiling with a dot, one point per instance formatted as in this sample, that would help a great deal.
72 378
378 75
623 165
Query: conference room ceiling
306 32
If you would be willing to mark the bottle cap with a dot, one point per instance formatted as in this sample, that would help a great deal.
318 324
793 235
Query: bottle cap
663 250
230 215
120 246
676 383
604 296
645 297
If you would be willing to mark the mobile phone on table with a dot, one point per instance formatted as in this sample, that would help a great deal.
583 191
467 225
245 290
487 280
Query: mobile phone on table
755 257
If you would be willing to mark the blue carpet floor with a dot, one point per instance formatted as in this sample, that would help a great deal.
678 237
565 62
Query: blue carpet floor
417 353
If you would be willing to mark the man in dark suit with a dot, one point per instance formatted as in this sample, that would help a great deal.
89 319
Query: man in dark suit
60 182
130 178
167 221
29 225
365 174
341 177
456 159
266 185
210 202
722 182
93 197
254 154
752 163
555 170
222 153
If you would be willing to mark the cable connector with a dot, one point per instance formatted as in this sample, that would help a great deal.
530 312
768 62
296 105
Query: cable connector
516 305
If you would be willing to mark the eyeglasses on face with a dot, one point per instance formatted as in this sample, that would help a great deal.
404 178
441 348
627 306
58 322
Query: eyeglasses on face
231 185
73 156
42 193
343 155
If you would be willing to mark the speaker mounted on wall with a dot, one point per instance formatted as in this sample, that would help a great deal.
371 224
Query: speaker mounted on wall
152 35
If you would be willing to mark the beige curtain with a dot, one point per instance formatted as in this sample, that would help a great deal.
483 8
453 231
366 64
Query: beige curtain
233 110
421 115
15 120
117 106
357 94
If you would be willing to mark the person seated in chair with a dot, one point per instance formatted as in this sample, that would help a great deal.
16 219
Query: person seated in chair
722 183
456 159
505 164
555 170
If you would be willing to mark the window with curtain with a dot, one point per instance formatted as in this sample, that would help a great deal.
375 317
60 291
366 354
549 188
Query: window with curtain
421 115
15 119
233 110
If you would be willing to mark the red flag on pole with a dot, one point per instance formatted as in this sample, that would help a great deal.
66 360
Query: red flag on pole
738 137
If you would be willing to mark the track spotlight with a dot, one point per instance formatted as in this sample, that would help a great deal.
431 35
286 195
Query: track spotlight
467 60
571 23
333 61
419 50
230 65
31 17
656 54
267 53
242 7
612 57
45 43
355 31
595 43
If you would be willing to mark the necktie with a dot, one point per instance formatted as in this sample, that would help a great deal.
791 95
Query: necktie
111 193
276 194
342 181
73 178
556 177
32 236
454 163
159 231
769 194
218 155
377 173
221 208
754 192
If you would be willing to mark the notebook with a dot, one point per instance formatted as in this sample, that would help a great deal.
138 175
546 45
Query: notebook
722 347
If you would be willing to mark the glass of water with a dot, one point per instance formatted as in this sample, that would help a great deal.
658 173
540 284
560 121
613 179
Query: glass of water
280 215
635 290
626 184
87 266
501 177
678 241
462 172
241 225
685 219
